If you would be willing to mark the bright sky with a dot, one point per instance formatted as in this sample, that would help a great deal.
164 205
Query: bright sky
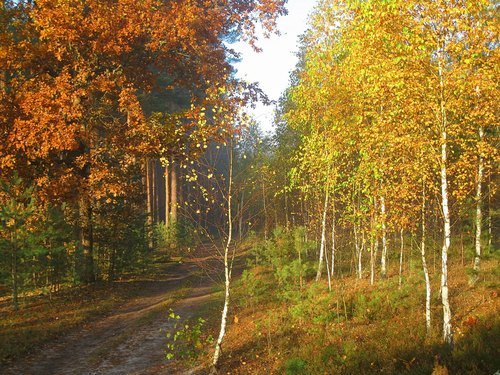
271 68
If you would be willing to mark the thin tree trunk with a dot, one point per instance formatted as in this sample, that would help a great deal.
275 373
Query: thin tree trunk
356 247
300 268
276 223
157 190
383 260
149 219
462 250
265 207
359 247
479 198
86 239
154 208
447 332
360 256
14 272
372 260
286 211
167 196
240 218
372 243
227 271
490 232
328 274
410 255
402 244
323 236
112 266
173 193
426 270
332 268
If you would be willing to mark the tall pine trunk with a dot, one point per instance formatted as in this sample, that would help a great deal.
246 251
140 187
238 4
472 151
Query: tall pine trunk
149 218
173 193
154 193
167 196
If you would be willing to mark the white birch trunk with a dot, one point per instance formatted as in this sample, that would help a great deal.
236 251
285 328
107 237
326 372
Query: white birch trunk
360 255
401 257
383 260
332 268
426 271
328 272
359 245
372 261
373 236
479 213
490 232
323 237
265 207
356 245
447 332
227 271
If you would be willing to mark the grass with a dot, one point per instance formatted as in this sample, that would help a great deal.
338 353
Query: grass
40 320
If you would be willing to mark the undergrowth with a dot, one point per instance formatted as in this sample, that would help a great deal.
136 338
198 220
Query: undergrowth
290 324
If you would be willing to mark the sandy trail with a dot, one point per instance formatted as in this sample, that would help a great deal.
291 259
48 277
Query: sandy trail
131 340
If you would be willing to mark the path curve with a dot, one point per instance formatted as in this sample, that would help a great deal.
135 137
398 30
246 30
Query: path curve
131 340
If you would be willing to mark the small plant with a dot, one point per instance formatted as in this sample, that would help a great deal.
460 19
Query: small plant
473 275
255 286
295 366
174 237
186 339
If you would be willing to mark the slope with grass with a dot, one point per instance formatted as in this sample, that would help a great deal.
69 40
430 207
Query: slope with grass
357 328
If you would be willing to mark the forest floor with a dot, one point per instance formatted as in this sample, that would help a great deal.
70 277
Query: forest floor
360 328
130 338
357 328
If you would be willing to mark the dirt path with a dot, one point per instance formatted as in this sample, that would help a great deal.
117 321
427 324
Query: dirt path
131 340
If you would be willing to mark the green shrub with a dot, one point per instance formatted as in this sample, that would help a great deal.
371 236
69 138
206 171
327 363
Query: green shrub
255 286
186 340
286 252
295 366
173 238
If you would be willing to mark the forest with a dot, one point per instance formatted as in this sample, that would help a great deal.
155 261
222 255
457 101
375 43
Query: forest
148 225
